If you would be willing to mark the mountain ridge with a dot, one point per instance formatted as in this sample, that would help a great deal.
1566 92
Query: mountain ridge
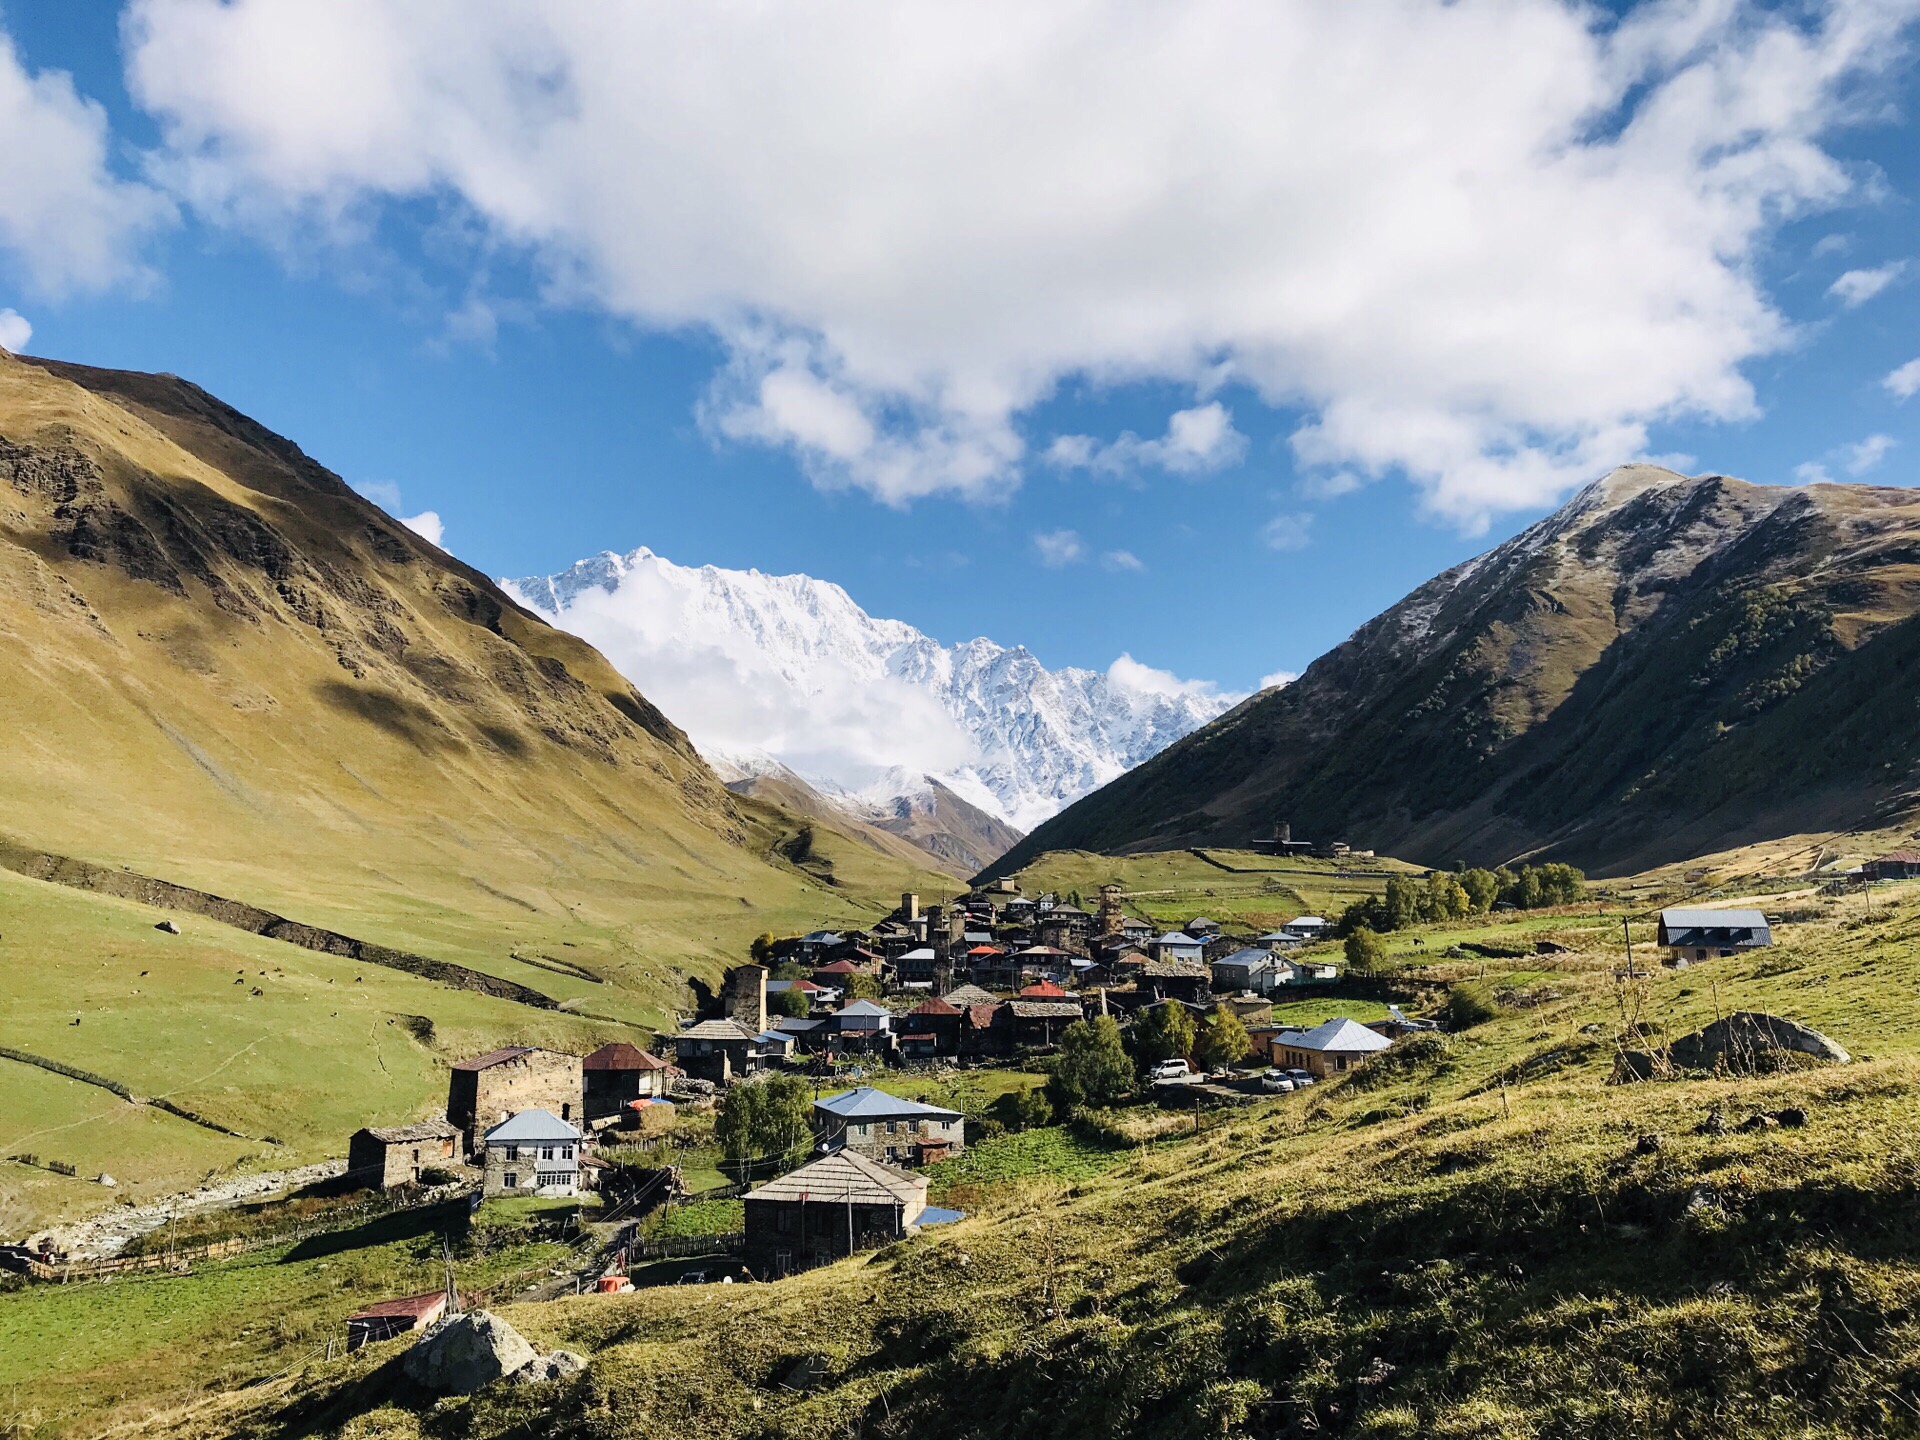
1625 682
865 695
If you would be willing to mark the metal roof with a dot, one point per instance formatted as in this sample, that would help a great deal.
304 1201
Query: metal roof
1178 937
869 1103
1338 1035
531 1127
1713 919
935 1006
863 1007
844 1177
622 1056
1249 957
410 1308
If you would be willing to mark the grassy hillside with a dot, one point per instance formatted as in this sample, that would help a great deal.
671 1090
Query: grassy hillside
1238 888
228 671
1663 668
1479 1239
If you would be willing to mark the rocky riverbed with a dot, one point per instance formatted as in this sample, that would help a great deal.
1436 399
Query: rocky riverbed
108 1233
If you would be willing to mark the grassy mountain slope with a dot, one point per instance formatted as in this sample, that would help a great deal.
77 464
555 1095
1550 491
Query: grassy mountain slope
962 836
1475 1240
225 669
1665 667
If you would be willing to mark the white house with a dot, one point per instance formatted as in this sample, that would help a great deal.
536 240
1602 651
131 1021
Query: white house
533 1153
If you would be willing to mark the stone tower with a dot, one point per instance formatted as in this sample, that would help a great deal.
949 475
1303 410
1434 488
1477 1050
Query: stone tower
747 997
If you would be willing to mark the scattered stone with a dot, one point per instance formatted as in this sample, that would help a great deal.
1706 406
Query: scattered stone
1649 1144
1760 1121
1714 1124
557 1366
807 1372
105 1179
457 1356
1793 1117
168 927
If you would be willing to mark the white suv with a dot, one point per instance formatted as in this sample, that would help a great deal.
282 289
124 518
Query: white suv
1170 1070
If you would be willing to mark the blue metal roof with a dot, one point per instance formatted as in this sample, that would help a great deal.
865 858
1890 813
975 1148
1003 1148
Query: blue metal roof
531 1127
868 1103
934 1215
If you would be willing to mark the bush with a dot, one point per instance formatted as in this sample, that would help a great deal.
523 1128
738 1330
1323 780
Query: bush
1092 1066
1162 1032
1470 1003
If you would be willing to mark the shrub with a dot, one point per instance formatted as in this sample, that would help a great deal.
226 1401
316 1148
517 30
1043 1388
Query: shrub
1470 1003
1092 1066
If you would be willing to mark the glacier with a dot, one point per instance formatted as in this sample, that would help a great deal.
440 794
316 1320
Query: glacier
769 672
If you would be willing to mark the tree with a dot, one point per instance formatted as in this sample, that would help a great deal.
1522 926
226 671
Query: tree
1366 953
1162 1032
792 1002
1222 1040
1032 1109
762 949
1402 902
1446 897
764 1119
1092 1067
1470 1003
862 987
1482 890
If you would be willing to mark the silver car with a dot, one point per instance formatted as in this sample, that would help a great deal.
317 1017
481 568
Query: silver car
1276 1081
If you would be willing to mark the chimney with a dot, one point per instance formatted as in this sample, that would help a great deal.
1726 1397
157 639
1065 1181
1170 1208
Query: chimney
747 1003
909 907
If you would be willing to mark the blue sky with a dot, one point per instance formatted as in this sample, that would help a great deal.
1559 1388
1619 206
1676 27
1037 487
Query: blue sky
555 369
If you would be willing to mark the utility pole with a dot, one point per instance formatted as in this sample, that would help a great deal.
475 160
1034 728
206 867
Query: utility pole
1626 930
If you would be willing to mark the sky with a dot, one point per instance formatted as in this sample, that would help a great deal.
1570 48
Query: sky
1196 333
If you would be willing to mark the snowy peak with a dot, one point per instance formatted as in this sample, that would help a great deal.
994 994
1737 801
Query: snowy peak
787 672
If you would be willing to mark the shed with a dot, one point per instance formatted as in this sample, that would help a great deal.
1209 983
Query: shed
389 1318
1690 935
383 1157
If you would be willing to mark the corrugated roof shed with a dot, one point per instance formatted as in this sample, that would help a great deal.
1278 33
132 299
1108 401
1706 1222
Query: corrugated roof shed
844 1177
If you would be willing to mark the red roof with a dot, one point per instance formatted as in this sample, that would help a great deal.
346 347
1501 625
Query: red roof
838 967
804 985
930 1039
981 1016
493 1057
984 950
413 1307
1043 990
935 1006
622 1056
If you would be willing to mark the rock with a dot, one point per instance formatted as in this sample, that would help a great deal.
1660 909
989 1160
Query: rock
1649 1144
1738 1038
1793 1117
168 927
105 1179
1762 1121
557 1366
457 1356
1714 1124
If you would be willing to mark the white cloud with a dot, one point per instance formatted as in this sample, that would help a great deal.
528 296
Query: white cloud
1277 678
1122 560
65 219
383 493
1059 547
908 225
1812 472
1288 532
1197 440
426 525
1904 382
15 332
1865 455
1856 287
1130 674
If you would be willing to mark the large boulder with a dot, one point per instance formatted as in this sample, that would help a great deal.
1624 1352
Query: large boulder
1744 1043
1744 1034
457 1356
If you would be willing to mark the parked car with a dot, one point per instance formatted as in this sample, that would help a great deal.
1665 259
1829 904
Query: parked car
1277 1081
695 1277
1301 1078
1170 1070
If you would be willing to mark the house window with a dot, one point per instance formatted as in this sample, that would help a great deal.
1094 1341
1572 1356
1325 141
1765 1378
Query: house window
513 1152
510 1181
566 1112
566 1152
546 1152
784 1222
555 1177
1339 1062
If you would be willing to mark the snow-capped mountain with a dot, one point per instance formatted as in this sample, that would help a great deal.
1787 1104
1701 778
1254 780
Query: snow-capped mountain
787 671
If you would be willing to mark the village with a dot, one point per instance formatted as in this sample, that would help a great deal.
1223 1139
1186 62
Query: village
813 1075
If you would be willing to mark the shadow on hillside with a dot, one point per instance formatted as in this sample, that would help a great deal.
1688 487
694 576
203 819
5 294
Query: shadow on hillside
381 1230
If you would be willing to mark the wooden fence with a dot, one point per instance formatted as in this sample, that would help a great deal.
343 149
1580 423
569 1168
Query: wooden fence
681 1247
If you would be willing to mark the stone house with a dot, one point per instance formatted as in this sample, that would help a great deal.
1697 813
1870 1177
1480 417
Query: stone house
489 1088
718 1050
619 1074
1328 1050
534 1153
938 1021
395 1155
885 1127
832 1208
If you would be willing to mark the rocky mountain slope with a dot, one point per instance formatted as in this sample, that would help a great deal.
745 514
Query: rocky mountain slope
1664 667
852 702
227 670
